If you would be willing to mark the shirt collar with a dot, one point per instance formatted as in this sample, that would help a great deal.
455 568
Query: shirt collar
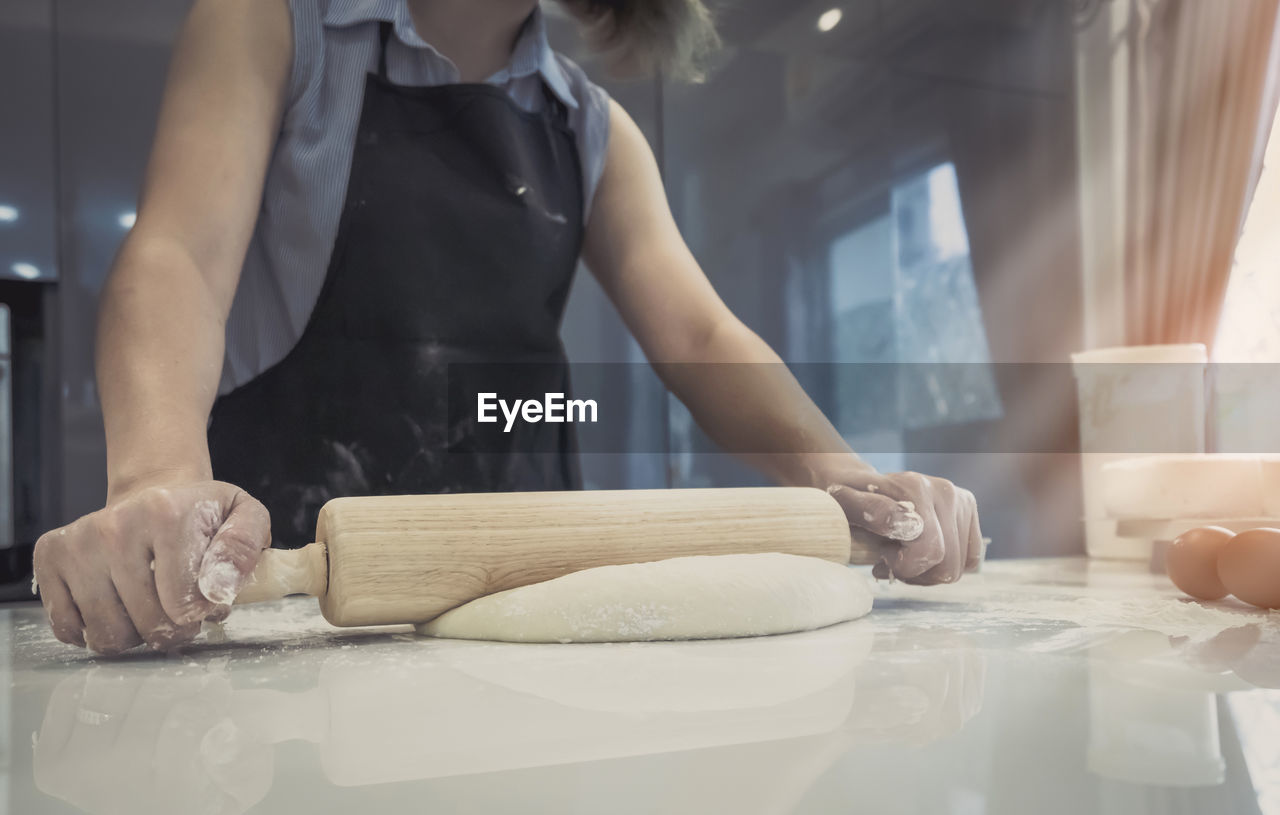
531 55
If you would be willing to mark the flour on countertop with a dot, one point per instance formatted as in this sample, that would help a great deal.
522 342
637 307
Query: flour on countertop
1167 615
972 605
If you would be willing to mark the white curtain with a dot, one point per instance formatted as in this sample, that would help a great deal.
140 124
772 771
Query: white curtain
1250 327
1202 94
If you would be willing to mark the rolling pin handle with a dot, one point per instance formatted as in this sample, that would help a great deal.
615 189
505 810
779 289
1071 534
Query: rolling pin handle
282 572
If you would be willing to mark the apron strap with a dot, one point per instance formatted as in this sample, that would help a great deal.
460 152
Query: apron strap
384 34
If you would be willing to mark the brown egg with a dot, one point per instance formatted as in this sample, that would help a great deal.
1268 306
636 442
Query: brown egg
1249 567
1192 562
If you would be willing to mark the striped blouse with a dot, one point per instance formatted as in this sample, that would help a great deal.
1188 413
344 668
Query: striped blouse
335 45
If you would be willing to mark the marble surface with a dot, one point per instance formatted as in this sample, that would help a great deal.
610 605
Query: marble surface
1046 686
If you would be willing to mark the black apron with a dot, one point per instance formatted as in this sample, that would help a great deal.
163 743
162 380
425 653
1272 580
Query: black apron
452 263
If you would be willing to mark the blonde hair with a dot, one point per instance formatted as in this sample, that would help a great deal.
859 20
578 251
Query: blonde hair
637 37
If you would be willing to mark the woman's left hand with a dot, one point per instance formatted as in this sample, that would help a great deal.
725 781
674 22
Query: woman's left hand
926 528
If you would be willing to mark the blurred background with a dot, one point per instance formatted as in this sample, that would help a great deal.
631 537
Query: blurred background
864 181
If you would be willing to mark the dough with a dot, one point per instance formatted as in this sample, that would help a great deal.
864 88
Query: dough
685 598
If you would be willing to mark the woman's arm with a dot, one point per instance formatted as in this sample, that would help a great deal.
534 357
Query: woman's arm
635 249
171 546
753 407
160 329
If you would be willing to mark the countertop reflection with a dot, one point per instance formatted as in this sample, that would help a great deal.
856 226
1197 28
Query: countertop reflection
1038 686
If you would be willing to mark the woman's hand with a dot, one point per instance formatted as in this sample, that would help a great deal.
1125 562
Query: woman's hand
151 565
926 528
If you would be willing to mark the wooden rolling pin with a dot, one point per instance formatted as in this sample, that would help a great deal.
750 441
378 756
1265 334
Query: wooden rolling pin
409 558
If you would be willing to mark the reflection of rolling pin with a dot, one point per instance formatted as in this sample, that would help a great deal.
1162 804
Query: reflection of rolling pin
408 559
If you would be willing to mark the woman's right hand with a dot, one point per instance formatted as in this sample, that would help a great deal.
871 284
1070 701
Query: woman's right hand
151 565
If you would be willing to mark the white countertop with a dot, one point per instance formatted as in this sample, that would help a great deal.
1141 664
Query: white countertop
1043 686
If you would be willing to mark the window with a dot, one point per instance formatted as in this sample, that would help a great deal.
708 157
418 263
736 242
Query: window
902 291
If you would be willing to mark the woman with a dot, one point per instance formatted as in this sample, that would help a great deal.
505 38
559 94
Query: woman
346 195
